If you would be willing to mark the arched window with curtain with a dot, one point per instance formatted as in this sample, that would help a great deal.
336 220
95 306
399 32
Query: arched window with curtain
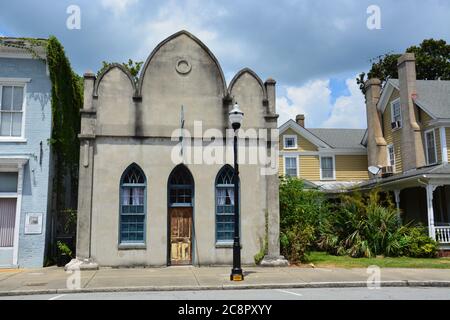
132 205
225 205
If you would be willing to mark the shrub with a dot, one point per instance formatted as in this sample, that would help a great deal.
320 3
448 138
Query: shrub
299 206
64 248
300 214
296 242
358 226
418 244
371 226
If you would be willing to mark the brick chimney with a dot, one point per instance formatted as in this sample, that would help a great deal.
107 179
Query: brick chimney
413 155
376 144
300 119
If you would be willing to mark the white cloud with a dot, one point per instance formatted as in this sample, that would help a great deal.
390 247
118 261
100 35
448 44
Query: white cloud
198 17
348 111
314 100
342 24
173 17
118 6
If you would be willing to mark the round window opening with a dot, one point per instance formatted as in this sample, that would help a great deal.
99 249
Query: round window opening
183 66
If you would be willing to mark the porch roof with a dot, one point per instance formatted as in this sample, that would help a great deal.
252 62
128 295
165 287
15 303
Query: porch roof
438 175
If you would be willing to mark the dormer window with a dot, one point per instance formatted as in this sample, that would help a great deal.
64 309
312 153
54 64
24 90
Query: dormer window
290 142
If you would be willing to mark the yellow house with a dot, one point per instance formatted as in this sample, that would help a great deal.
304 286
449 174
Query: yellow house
332 160
407 137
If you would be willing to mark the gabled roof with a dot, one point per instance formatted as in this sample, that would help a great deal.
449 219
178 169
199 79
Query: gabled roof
308 135
329 138
433 96
341 138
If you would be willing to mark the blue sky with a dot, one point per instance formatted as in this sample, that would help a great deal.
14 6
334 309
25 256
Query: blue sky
313 48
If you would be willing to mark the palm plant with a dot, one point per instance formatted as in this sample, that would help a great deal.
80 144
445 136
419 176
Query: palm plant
368 227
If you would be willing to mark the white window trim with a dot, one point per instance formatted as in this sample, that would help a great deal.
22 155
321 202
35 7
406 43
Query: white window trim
19 164
444 148
295 142
296 161
334 167
426 146
389 156
15 82
392 113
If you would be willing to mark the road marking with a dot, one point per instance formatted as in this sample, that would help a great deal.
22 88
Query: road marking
57 297
289 292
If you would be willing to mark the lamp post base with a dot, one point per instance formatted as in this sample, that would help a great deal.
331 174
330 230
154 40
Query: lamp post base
237 275
274 262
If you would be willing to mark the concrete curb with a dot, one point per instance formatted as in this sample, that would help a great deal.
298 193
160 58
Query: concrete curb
309 285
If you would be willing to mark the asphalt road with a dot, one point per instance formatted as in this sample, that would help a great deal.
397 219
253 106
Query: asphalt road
270 294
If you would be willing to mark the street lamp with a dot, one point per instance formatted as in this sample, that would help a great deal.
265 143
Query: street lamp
236 117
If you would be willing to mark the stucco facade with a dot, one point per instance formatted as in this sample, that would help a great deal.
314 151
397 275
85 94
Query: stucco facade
25 159
127 122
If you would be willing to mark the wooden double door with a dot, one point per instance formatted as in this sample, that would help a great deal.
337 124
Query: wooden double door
180 248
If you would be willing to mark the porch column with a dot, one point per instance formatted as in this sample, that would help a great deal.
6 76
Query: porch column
430 191
397 202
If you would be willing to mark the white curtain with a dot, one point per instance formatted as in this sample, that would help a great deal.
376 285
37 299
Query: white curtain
138 196
231 195
221 196
126 196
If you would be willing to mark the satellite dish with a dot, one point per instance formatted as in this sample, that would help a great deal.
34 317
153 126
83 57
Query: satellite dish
374 170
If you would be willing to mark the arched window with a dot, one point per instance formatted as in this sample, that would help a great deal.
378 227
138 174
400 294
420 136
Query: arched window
132 205
181 187
225 205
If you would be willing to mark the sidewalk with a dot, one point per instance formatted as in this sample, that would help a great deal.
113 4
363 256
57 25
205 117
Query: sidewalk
54 280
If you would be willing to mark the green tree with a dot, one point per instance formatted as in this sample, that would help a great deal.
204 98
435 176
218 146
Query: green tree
432 61
133 66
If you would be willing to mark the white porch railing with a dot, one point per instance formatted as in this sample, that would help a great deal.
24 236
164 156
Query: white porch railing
442 234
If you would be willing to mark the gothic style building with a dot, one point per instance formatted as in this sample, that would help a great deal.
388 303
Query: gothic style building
140 204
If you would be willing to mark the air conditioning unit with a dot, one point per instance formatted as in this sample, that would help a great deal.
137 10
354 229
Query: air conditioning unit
396 125
387 171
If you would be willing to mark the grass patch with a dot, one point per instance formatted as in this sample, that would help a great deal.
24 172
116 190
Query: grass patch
323 259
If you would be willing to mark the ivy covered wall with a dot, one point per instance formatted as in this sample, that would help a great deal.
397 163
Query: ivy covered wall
67 100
